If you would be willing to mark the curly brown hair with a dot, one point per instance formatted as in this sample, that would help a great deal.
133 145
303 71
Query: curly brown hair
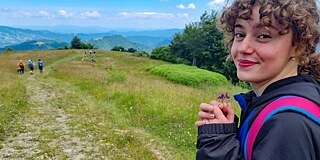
301 16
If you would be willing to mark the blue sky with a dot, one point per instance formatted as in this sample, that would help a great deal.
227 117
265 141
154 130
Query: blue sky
125 14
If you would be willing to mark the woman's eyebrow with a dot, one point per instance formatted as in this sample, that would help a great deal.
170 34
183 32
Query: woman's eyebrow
238 26
258 25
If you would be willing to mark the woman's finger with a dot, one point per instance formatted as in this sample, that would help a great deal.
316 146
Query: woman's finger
205 107
205 115
218 113
200 123
230 112
214 103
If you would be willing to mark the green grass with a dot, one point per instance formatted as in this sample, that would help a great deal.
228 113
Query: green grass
132 113
188 75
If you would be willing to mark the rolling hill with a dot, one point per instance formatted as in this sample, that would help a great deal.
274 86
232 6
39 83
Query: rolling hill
108 42
12 36
38 45
140 40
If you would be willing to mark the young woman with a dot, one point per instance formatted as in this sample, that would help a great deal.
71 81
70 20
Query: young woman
273 47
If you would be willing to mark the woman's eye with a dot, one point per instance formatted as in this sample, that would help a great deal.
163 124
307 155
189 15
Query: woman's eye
238 35
264 36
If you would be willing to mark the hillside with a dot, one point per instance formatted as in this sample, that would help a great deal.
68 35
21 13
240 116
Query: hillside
38 45
109 109
150 41
12 36
142 40
108 42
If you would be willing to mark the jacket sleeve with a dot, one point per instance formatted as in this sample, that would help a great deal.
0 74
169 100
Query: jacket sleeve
287 135
218 142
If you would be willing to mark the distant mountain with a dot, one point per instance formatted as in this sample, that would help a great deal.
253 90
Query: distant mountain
152 33
150 41
69 29
108 42
141 40
12 36
38 45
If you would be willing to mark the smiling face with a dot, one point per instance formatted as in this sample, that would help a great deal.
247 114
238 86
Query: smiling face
261 54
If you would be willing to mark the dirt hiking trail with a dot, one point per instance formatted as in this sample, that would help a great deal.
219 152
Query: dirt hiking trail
46 133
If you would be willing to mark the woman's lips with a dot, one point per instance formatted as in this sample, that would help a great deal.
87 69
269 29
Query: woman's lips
246 63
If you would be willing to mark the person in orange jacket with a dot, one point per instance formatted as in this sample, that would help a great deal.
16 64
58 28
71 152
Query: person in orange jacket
21 65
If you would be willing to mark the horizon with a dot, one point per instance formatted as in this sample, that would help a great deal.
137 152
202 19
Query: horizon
88 29
105 14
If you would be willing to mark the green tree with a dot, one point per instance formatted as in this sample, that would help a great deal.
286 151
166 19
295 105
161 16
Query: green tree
132 50
88 46
178 48
193 37
162 53
118 48
202 44
213 38
9 49
76 43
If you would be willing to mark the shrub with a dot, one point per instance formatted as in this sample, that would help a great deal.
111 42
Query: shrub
188 75
9 49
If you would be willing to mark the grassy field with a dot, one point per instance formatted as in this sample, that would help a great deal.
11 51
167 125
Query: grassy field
114 104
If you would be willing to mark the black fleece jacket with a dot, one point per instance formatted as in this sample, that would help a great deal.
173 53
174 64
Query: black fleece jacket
285 136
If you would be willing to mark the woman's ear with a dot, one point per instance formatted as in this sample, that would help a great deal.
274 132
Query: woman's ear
295 52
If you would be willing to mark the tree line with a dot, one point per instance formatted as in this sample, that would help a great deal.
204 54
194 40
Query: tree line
200 44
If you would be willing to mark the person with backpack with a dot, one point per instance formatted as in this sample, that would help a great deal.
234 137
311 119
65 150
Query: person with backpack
20 65
31 66
40 65
273 46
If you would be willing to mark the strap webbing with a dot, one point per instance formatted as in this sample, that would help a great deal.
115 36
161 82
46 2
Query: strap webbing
299 104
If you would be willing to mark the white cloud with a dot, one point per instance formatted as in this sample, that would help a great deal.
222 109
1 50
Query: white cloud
154 15
147 14
216 3
26 14
190 6
181 6
65 14
5 10
93 14
183 15
43 14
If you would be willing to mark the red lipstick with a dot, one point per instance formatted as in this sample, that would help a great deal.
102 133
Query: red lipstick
246 63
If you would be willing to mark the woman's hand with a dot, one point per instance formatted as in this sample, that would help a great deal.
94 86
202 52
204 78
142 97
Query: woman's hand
215 112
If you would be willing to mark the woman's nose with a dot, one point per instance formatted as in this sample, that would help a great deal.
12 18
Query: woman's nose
246 46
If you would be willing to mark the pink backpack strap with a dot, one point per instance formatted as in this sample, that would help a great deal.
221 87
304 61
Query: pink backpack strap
293 103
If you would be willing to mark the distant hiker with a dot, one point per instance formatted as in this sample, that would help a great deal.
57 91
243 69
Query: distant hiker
40 65
92 55
20 67
31 66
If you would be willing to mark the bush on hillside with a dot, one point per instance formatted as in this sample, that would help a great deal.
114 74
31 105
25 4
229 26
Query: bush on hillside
140 54
77 44
118 48
132 50
188 75
9 49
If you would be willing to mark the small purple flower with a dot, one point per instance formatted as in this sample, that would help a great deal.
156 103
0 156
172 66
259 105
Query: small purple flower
223 96
227 96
